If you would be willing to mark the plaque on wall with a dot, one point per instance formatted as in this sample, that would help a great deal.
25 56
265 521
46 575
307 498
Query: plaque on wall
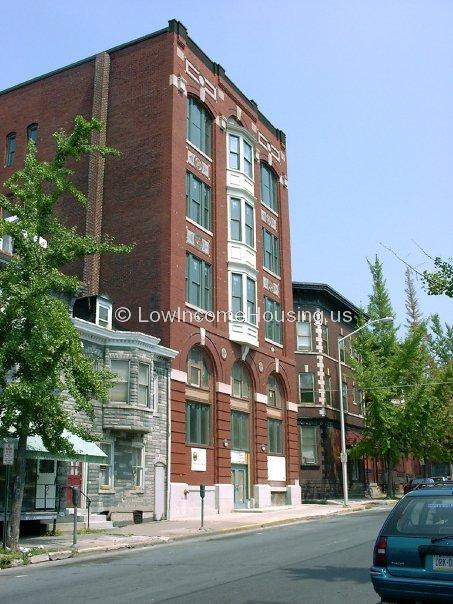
198 460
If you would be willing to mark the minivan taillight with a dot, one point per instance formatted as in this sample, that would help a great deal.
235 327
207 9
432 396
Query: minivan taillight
380 552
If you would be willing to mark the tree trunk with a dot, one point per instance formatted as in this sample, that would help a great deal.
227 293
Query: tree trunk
390 486
18 493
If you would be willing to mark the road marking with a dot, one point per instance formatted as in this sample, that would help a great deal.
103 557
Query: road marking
20 576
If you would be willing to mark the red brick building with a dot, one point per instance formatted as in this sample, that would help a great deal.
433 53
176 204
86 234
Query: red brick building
201 190
325 316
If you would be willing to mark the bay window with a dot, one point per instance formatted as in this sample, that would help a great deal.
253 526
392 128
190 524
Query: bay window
243 288
240 155
242 221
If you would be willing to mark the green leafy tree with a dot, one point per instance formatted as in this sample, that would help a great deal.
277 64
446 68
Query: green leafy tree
41 358
440 280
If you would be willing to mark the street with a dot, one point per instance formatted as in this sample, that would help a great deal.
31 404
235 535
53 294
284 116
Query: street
323 561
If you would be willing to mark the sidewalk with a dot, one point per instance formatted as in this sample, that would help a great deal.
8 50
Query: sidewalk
154 533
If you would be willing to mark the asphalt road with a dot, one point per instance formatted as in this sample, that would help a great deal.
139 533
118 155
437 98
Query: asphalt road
322 562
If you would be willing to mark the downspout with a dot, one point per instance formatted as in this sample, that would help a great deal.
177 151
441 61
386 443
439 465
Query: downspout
168 442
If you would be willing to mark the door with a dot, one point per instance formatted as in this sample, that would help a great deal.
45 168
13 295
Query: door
240 484
45 484
74 479
159 491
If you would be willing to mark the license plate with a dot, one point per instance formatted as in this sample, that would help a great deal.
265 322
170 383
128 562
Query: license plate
443 563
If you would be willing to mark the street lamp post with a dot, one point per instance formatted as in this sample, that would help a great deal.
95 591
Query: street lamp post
344 454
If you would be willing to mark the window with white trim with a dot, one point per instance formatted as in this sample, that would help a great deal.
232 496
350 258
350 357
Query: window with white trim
242 221
307 388
303 333
243 297
308 445
106 468
240 155
138 467
328 389
120 391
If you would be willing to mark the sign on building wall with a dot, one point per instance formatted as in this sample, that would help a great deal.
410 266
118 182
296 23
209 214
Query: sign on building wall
198 460
276 468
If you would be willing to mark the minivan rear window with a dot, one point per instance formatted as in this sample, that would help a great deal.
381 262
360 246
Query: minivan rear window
424 516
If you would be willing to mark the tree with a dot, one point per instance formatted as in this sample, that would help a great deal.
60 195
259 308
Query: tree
408 396
441 341
414 315
41 358
439 281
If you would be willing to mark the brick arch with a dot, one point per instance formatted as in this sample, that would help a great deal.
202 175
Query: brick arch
210 350
194 92
283 384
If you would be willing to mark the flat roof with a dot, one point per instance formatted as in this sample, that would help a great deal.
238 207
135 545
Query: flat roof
180 29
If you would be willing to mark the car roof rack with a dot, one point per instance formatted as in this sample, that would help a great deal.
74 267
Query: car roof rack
441 484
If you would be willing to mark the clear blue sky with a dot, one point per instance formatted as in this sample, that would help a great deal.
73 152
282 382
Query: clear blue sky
362 88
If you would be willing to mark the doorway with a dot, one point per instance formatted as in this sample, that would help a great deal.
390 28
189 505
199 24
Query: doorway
239 478
45 484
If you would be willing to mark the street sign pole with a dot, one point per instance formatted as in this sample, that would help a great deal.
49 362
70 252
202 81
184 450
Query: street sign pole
8 460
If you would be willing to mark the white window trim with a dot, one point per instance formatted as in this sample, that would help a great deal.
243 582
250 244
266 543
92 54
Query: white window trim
108 307
111 486
140 487
241 169
311 338
315 462
128 361
243 201
244 276
198 150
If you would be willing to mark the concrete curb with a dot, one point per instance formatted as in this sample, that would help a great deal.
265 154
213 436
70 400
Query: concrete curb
157 540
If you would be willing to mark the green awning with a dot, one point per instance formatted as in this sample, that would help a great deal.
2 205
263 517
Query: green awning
83 450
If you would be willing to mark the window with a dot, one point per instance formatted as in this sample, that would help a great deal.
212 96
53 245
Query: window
138 467
328 390
273 320
198 423
106 467
274 392
342 350
6 241
240 382
198 201
325 339
249 225
240 155
235 219
120 391
239 281
10 149
240 431
271 252
307 388
199 282
144 374
242 221
269 187
428 516
303 333
274 431
344 389
104 314
32 133
198 372
308 445
199 126
360 401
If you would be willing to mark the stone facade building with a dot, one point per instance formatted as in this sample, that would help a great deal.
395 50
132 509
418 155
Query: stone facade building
201 189
133 426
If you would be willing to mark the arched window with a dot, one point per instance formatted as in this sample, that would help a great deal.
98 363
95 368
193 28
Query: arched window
269 187
10 149
274 392
199 126
32 133
198 369
240 382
